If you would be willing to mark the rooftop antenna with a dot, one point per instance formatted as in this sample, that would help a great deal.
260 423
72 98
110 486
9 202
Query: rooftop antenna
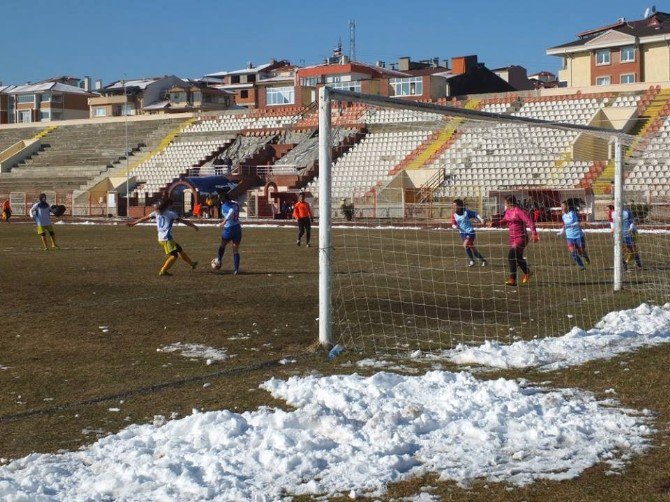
352 40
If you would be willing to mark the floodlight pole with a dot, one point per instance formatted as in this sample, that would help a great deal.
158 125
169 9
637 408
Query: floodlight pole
325 242
125 113
618 214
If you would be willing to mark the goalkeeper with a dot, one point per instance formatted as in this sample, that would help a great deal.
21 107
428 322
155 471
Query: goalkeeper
460 220
574 235
516 220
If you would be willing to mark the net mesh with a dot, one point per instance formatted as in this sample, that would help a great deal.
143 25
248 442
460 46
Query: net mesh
404 279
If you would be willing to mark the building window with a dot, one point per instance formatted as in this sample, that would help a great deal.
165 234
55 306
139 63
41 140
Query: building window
25 98
178 97
57 98
45 98
280 96
334 79
100 111
197 97
603 57
628 54
45 115
25 116
244 94
309 81
628 78
412 86
604 80
354 86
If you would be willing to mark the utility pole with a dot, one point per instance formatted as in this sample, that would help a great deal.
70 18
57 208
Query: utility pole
352 40
125 113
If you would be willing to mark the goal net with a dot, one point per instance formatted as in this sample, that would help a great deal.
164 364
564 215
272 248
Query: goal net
407 263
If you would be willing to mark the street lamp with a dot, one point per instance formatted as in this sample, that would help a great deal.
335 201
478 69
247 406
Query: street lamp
125 113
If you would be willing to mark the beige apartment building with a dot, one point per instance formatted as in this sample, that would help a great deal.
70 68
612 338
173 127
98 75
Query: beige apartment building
626 52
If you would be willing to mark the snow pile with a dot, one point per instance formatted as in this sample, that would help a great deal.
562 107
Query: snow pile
616 333
348 434
196 351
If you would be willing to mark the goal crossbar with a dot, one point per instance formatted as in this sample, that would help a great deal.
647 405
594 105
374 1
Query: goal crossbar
397 103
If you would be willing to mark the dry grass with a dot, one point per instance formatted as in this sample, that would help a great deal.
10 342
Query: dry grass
64 374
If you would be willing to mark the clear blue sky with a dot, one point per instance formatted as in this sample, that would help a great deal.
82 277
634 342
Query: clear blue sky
108 39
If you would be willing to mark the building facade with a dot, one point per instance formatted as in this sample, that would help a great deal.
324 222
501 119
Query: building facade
626 52
244 83
133 97
47 101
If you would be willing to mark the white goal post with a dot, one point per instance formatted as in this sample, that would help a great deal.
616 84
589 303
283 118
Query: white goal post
435 299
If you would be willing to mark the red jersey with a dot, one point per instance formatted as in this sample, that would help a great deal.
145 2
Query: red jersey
302 210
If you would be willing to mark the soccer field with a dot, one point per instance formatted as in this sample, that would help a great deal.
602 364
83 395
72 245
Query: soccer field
86 321
88 332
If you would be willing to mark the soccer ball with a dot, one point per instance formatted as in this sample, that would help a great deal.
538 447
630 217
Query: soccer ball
216 264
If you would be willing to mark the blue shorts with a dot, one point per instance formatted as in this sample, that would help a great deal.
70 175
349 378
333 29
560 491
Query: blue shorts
629 240
579 242
468 237
232 234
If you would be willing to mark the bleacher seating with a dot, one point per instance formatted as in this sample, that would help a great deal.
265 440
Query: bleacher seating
395 116
367 165
238 122
480 156
651 167
9 137
175 160
72 155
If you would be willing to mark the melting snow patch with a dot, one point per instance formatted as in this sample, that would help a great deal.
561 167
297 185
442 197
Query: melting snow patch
196 351
347 434
616 333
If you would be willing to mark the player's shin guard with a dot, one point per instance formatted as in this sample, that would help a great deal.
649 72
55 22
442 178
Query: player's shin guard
219 254
236 261
470 253
478 255
577 258
168 263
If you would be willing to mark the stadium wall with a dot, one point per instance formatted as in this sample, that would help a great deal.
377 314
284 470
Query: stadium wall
104 120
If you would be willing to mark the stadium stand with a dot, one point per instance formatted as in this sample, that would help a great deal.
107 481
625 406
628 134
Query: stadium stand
370 163
371 146
72 155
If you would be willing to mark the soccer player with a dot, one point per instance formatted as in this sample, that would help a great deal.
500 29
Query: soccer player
41 214
303 213
516 220
460 220
629 239
574 235
6 210
164 221
232 232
